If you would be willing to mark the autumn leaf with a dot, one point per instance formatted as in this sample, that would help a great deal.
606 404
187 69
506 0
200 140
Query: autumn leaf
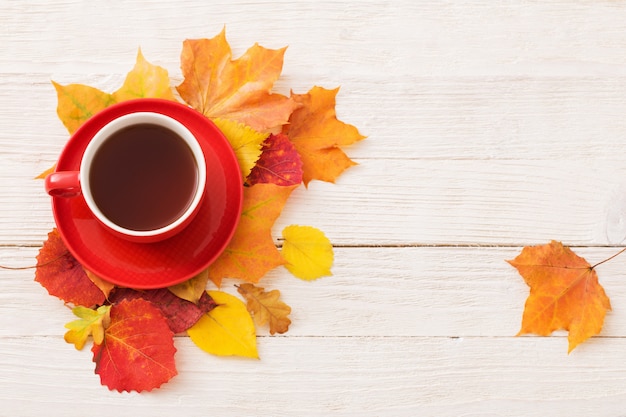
251 252
308 252
145 80
90 323
564 293
279 163
193 289
266 308
78 102
137 353
61 274
180 314
240 89
105 286
245 141
318 135
227 330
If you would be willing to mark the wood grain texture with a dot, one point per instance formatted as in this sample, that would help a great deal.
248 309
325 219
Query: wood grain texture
491 125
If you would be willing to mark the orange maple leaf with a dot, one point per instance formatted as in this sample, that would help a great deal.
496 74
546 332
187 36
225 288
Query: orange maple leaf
317 135
266 308
252 253
564 293
240 89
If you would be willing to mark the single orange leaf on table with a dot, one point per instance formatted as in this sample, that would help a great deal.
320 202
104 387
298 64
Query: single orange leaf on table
266 308
240 89
564 293
252 253
137 353
61 274
317 135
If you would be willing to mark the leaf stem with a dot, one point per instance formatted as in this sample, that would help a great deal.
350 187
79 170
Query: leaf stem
609 258
19 268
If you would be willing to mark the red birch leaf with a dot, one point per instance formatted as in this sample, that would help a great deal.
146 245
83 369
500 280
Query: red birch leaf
137 353
279 163
180 314
61 274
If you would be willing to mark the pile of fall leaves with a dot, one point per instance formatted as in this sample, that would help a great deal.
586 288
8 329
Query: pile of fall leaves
280 142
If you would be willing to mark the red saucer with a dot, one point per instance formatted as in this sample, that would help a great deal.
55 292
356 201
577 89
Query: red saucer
161 264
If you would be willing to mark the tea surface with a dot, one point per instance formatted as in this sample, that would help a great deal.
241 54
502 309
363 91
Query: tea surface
143 177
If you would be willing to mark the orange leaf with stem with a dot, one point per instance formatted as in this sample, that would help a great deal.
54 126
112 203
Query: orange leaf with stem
240 89
564 293
318 135
252 253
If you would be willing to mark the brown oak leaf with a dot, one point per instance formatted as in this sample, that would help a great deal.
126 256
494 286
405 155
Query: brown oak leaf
266 308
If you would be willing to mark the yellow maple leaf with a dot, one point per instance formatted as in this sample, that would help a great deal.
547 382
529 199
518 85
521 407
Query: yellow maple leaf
219 87
246 142
145 80
308 252
266 308
90 322
317 135
251 252
226 330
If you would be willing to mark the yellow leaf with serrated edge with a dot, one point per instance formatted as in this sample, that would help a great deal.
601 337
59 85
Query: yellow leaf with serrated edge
245 141
227 330
308 252
90 322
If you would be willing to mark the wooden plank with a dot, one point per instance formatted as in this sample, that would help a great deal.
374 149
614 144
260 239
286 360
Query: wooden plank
381 292
309 376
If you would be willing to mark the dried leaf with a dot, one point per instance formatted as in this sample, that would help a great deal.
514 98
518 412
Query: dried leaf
138 349
61 274
279 163
90 323
227 330
105 286
564 293
239 90
245 142
252 253
308 252
193 289
317 135
180 314
266 308
145 80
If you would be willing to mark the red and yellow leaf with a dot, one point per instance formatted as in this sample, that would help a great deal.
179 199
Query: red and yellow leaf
61 274
240 89
137 353
252 252
279 163
564 293
317 135
266 308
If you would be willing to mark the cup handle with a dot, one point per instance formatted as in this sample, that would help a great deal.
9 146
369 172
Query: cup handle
63 184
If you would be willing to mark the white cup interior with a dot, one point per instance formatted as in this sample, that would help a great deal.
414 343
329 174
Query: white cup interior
126 121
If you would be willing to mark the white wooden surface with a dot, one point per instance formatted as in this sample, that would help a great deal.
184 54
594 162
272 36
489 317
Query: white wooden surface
491 125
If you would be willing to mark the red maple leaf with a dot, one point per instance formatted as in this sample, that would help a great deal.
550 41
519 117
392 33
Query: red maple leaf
137 353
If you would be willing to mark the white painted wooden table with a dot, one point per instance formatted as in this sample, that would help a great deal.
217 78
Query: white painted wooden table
491 125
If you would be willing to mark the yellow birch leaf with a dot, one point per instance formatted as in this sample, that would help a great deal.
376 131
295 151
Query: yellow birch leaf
192 289
227 330
145 81
246 143
308 252
90 322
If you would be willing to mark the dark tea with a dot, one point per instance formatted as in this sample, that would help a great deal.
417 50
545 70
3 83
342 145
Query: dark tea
143 177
